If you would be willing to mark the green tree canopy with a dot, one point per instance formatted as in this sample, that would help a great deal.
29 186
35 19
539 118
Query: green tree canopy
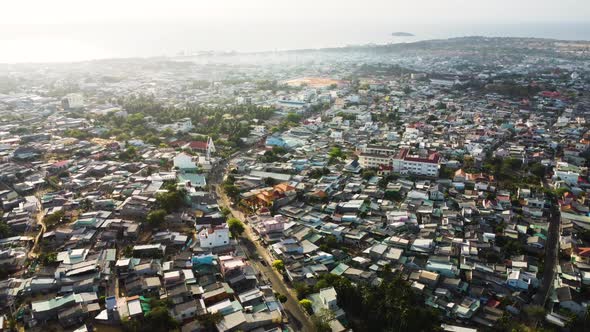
172 200
156 218
54 218
4 230
293 117
236 227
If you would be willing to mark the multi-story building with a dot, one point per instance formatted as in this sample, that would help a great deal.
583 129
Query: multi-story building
405 163
215 236
375 155
72 101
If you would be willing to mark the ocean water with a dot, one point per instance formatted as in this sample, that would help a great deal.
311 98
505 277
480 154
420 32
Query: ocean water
78 42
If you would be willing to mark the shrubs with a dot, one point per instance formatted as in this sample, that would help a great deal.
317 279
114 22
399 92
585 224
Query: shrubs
279 265
306 304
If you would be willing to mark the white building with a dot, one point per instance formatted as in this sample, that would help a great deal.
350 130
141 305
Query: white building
183 126
258 130
567 173
336 135
375 155
73 100
183 161
329 300
216 236
404 163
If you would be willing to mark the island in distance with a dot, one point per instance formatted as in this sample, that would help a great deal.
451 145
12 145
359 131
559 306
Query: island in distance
402 34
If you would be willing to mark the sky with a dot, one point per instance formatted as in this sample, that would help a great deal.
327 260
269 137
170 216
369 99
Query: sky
68 30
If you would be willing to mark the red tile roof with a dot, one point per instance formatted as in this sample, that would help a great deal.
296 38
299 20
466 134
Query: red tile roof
197 145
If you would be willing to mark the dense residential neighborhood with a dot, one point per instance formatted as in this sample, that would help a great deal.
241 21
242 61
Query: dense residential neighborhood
425 186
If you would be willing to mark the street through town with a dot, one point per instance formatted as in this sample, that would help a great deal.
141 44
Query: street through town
257 253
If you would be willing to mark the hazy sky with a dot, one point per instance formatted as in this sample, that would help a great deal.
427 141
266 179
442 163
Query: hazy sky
421 11
66 30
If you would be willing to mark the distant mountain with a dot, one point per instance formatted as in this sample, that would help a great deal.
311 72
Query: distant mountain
402 34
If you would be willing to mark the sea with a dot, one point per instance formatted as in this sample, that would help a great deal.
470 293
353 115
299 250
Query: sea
81 42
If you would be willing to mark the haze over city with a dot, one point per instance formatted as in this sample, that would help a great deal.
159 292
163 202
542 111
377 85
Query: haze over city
74 30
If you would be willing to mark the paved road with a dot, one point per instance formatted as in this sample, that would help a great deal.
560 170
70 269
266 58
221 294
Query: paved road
256 252
551 259
296 316
551 254
40 221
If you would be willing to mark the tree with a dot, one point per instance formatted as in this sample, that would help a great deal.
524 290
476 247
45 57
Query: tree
4 230
329 242
85 204
582 322
336 153
159 319
48 258
128 251
236 227
317 173
231 191
538 169
225 211
302 289
368 174
393 196
534 313
269 182
129 154
322 319
306 304
445 172
282 298
156 218
54 218
293 117
210 321
559 192
279 265
279 150
171 200
391 306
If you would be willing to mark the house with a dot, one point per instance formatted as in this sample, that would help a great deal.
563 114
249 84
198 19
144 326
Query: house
73 315
149 250
198 146
277 196
59 166
445 269
428 278
521 280
328 298
186 310
214 236
48 309
581 255
275 140
536 241
232 322
566 300
272 225
184 162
